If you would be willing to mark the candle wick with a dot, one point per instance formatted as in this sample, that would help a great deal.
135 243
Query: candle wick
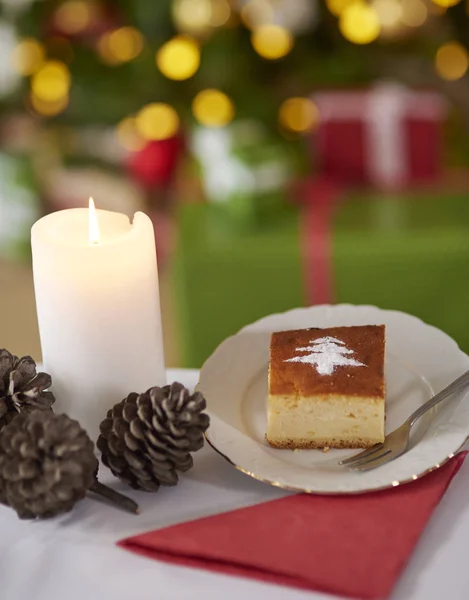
94 234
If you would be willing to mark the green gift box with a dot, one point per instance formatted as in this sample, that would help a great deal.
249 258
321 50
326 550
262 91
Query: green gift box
408 253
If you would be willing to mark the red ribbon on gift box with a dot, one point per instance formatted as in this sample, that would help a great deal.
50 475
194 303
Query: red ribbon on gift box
319 198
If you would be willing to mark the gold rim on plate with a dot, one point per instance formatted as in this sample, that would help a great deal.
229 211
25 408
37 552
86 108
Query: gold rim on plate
302 490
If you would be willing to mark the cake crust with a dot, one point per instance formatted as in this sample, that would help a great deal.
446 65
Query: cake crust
305 444
367 343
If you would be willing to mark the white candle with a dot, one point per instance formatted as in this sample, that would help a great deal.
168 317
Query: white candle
97 299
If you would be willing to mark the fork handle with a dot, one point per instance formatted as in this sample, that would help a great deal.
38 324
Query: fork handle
458 384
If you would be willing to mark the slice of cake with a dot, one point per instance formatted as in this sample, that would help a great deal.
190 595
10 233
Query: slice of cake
326 388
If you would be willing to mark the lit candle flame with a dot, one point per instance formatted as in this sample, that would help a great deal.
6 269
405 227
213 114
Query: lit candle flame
94 234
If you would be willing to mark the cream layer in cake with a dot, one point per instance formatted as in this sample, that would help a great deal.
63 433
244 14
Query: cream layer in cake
326 388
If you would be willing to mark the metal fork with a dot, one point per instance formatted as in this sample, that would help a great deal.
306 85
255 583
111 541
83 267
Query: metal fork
397 442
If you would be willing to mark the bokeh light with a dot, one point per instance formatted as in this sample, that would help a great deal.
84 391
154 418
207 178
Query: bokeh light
359 23
179 58
198 16
213 108
52 82
128 136
221 13
298 114
73 17
121 45
272 41
192 16
446 3
157 121
48 109
389 12
104 51
256 13
414 13
28 56
336 7
452 61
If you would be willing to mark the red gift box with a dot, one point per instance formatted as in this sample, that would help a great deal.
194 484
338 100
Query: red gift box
387 136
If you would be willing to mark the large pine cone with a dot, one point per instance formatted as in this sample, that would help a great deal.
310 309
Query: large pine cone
22 389
148 437
47 464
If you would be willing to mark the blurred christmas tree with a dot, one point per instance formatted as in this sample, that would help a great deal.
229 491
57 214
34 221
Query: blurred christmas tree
113 83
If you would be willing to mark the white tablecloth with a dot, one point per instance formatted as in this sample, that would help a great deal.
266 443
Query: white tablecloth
75 557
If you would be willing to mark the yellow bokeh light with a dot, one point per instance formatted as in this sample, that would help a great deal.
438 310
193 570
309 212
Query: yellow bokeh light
128 136
272 41
213 108
359 23
452 61
52 82
125 43
179 58
121 45
73 17
298 114
157 121
336 7
198 16
389 12
446 3
104 51
256 13
28 56
192 15
221 13
48 109
414 13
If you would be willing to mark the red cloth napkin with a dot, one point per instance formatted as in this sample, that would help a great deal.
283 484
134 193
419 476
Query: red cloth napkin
353 546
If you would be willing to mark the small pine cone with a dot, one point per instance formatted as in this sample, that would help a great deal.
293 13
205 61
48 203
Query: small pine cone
22 389
47 464
146 438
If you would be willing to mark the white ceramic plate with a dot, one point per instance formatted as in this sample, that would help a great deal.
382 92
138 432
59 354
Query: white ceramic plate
420 361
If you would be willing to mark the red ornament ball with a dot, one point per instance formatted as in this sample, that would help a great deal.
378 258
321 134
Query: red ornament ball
155 164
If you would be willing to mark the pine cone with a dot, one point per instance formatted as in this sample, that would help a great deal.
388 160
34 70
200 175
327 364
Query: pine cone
47 464
148 437
22 389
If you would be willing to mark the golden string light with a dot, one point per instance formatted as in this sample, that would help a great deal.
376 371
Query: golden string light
157 121
74 16
272 41
298 114
28 56
128 136
359 23
213 108
414 13
52 82
452 61
179 58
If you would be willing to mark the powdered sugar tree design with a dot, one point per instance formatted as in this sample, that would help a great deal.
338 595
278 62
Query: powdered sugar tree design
326 354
